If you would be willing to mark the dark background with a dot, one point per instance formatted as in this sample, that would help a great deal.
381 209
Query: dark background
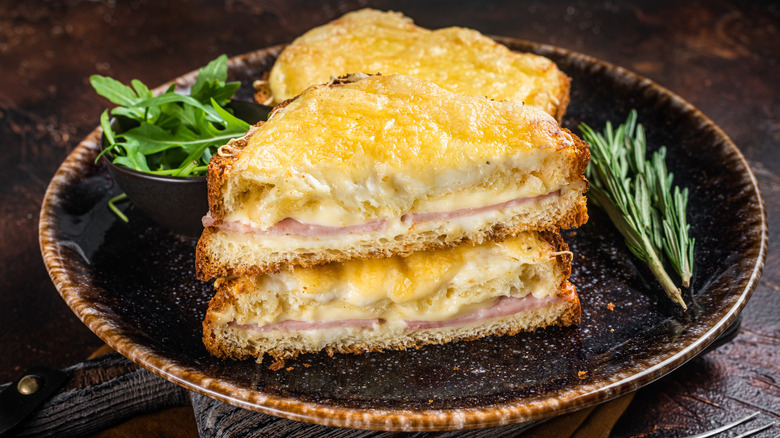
720 56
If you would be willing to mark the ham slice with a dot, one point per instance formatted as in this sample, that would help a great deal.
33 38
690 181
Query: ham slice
290 226
505 306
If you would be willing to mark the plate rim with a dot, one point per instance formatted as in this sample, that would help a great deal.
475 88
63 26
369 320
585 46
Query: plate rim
386 419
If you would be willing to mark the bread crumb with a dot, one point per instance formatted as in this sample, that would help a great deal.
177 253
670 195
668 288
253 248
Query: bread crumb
306 365
289 368
430 401
455 368
277 365
582 374
611 306
611 330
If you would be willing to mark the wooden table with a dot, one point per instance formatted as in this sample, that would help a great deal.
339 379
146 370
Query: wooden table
721 57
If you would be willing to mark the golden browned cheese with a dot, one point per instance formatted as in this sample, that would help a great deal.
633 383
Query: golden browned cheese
457 59
388 145
405 124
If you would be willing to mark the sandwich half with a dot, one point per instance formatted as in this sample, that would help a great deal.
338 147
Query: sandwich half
432 297
386 165
460 60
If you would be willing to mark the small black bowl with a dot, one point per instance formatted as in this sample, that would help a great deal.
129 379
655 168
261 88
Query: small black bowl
176 203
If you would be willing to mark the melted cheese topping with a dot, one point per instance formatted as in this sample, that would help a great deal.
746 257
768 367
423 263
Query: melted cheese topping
429 286
388 145
457 59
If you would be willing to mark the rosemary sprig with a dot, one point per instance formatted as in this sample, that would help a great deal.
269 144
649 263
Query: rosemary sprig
637 195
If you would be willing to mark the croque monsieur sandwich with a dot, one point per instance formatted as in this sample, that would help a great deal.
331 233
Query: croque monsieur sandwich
378 166
431 297
459 60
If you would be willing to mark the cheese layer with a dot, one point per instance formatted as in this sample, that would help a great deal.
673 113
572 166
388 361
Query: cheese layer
389 145
457 59
427 286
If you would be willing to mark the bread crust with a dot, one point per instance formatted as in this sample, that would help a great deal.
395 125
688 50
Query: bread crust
581 152
219 170
262 94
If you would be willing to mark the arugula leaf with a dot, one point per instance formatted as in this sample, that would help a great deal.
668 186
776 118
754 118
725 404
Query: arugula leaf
210 83
113 90
175 134
176 98
233 122
107 130
141 90
213 71
130 113
112 206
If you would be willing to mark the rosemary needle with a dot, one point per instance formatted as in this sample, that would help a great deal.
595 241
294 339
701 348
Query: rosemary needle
640 200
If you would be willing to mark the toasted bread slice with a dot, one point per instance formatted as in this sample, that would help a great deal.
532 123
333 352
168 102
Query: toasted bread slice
457 59
431 297
386 165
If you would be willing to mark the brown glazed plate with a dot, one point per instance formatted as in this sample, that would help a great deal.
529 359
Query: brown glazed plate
134 286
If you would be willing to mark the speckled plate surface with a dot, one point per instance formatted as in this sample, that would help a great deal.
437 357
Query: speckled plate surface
134 286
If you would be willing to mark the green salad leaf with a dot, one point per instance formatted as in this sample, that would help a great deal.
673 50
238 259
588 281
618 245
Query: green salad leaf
172 134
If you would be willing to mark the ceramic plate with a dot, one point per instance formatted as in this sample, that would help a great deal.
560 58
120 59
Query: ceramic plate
134 286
